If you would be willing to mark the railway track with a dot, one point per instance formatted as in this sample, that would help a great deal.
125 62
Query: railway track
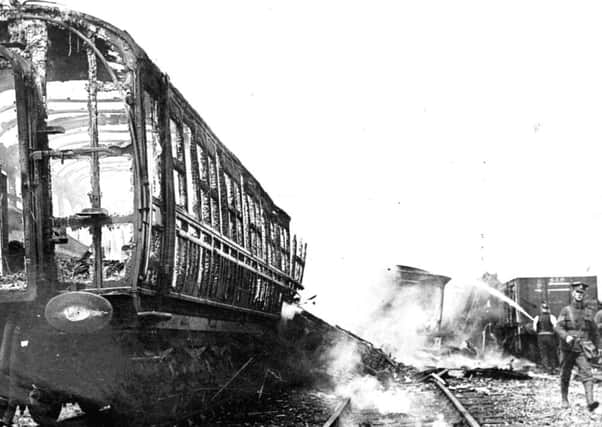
443 414
449 402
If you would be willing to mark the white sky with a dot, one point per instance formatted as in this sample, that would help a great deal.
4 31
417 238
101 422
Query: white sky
401 132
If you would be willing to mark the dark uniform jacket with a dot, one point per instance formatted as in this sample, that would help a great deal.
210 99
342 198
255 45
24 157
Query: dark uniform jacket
544 323
576 320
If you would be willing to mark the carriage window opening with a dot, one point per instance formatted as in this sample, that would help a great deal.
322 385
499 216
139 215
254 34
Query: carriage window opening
81 100
284 250
179 167
246 220
262 245
12 238
212 173
234 209
214 193
215 215
67 56
154 150
254 222
273 245
177 141
118 245
202 185
154 153
229 222
117 172
191 177
276 245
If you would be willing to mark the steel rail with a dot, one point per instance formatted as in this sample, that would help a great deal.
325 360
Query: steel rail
470 420
333 421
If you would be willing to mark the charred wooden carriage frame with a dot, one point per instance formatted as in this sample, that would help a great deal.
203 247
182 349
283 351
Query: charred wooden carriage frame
142 249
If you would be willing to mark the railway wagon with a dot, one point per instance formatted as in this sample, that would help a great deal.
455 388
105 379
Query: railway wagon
427 289
141 261
529 293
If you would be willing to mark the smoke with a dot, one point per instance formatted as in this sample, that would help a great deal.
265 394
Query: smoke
472 307
368 393
371 394
344 361
404 322
289 311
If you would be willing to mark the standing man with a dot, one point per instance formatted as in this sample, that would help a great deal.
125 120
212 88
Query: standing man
576 329
544 324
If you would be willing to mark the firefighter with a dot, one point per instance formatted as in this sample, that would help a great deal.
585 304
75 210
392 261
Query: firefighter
578 342
544 324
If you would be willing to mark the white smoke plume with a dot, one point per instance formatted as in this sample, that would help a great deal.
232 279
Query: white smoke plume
404 322
289 311
344 359
368 393
345 367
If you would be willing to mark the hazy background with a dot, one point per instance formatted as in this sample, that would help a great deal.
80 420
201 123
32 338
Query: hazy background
459 137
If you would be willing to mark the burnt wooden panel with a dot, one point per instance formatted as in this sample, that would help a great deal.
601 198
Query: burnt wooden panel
3 219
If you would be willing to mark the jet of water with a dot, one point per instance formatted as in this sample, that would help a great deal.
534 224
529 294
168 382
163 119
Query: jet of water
499 295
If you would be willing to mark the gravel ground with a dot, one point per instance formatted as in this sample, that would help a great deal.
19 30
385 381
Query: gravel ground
534 402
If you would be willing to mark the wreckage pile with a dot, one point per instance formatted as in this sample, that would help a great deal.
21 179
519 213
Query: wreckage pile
498 390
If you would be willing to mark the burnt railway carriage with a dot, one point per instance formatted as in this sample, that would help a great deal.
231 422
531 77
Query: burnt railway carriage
136 248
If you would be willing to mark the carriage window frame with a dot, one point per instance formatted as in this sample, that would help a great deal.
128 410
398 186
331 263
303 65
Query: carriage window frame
156 165
188 141
206 187
178 154
234 208
283 247
254 221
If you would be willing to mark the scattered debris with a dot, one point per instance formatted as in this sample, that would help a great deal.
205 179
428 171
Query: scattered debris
495 373
14 281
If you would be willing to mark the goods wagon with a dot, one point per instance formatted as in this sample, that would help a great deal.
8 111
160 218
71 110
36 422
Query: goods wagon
426 289
529 293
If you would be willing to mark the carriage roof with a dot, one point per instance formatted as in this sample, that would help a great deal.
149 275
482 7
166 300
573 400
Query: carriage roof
132 54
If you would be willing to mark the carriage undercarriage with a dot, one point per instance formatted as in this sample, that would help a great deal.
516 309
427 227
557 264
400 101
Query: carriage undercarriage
137 373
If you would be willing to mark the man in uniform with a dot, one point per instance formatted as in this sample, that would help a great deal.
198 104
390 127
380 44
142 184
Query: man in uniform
575 327
544 324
